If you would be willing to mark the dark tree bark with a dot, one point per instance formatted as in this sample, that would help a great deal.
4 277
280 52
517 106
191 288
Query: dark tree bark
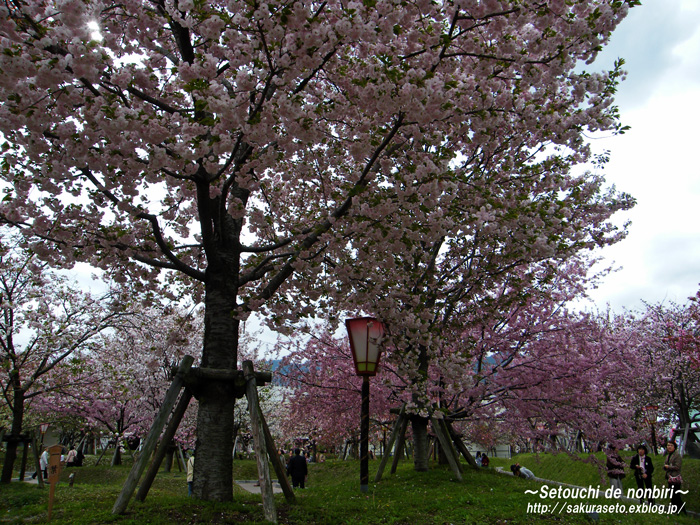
419 425
213 478
421 443
16 430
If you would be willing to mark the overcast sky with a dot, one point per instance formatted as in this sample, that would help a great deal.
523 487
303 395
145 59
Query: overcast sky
657 160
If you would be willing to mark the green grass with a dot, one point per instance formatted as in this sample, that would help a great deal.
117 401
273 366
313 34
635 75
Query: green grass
332 497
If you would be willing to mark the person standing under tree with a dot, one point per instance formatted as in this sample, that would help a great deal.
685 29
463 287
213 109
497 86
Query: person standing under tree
297 469
616 468
79 457
672 466
190 474
70 458
643 468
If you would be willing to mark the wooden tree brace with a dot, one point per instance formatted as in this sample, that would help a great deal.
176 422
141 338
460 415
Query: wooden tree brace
446 444
461 446
168 435
201 375
400 443
269 509
152 438
277 464
37 461
392 439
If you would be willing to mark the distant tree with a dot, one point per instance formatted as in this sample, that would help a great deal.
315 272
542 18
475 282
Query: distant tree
668 352
122 382
565 377
45 321
462 311
323 393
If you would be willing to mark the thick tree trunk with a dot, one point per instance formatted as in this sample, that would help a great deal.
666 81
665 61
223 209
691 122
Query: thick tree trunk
213 478
117 457
169 456
421 443
13 441
10 457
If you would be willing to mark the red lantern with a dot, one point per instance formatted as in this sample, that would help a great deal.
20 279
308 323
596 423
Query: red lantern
366 336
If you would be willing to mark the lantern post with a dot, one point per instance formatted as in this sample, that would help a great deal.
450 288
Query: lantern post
43 428
366 335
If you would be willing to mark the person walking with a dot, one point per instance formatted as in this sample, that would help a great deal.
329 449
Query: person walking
616 469
43 464
672 466
297 469
643 468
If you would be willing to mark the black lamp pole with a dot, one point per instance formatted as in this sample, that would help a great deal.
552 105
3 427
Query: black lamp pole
364 436
365 335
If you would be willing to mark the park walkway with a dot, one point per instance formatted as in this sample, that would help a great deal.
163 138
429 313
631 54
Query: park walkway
254 487
247 484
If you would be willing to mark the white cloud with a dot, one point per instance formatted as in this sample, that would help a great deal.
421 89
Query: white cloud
656 160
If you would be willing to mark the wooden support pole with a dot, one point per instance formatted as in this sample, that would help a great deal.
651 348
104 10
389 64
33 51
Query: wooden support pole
446 444
277 464
104 451
37 461
152 437
235 445
170 430
387 448
268 497
450 441
400 441
23 464
181 455
461 446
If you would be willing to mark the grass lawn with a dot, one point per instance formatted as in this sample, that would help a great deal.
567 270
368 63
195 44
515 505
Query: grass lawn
332 497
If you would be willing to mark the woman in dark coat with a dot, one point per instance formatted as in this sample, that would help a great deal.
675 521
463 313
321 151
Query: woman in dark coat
643 468
616 468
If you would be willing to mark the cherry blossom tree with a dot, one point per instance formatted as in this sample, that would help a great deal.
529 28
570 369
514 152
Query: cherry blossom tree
483 279
46 321
240 147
